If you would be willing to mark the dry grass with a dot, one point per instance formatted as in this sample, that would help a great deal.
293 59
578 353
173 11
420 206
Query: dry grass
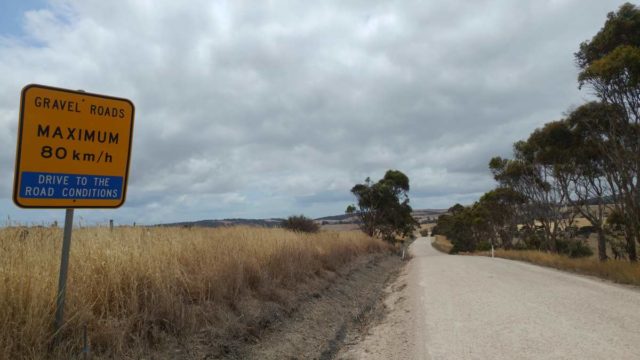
135 286
442 244
615 270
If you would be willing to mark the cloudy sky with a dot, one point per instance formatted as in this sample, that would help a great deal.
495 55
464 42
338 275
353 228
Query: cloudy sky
262 109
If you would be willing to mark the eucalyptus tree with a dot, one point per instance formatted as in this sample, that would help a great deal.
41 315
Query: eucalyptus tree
591 179
535 181
500 209
459 227
574 149
383 207
610 65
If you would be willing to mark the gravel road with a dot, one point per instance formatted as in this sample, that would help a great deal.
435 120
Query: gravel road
464 307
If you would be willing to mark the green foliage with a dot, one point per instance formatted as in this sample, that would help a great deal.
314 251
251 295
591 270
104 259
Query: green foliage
586 230
300 223
621 28
483 246
608 52
620 68
457 227
616 219
532 238
574 248
383 206
610 66
582 165
424 232
491 220
455 209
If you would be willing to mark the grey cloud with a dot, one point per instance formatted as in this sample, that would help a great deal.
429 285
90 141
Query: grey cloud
256 109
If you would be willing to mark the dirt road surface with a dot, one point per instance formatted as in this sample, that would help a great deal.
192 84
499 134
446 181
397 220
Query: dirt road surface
465 307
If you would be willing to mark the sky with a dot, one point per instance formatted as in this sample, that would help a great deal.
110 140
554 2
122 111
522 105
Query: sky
261 109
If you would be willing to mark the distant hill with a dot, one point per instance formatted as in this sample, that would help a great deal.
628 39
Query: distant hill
228 222
429 212
423 215
605 200
342 217
428 215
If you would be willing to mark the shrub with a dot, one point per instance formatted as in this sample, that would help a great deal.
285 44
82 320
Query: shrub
586 230
520 245
580 249
483 246
533 238
300 223
574 248
570 231
424 232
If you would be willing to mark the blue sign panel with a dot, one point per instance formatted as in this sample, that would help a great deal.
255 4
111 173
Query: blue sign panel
38 185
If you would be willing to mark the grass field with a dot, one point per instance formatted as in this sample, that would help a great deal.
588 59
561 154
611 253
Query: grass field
134 287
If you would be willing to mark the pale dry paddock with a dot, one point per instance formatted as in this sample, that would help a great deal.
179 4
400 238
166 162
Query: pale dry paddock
133 287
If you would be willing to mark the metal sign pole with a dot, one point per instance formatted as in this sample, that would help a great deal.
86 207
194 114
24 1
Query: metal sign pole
64 265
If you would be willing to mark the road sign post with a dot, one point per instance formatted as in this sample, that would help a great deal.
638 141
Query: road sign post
73 152
64 266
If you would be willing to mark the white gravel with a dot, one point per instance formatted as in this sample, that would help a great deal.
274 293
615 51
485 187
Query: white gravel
464 307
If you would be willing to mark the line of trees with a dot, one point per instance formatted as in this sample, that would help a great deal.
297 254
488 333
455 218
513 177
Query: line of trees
586 164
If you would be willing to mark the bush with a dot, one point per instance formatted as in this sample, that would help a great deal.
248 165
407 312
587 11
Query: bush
574 248
586 230
520 245
580 249
570 232
483 246
424 232
301 223
533 238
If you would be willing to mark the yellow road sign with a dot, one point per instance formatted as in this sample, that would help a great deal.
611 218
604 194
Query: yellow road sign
73 149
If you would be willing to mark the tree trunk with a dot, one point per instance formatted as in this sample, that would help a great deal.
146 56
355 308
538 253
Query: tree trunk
631 248
507 239
550 240
602 245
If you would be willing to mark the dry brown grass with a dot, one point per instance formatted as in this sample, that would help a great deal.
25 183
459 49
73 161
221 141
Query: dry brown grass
135 286
622 272
442 244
